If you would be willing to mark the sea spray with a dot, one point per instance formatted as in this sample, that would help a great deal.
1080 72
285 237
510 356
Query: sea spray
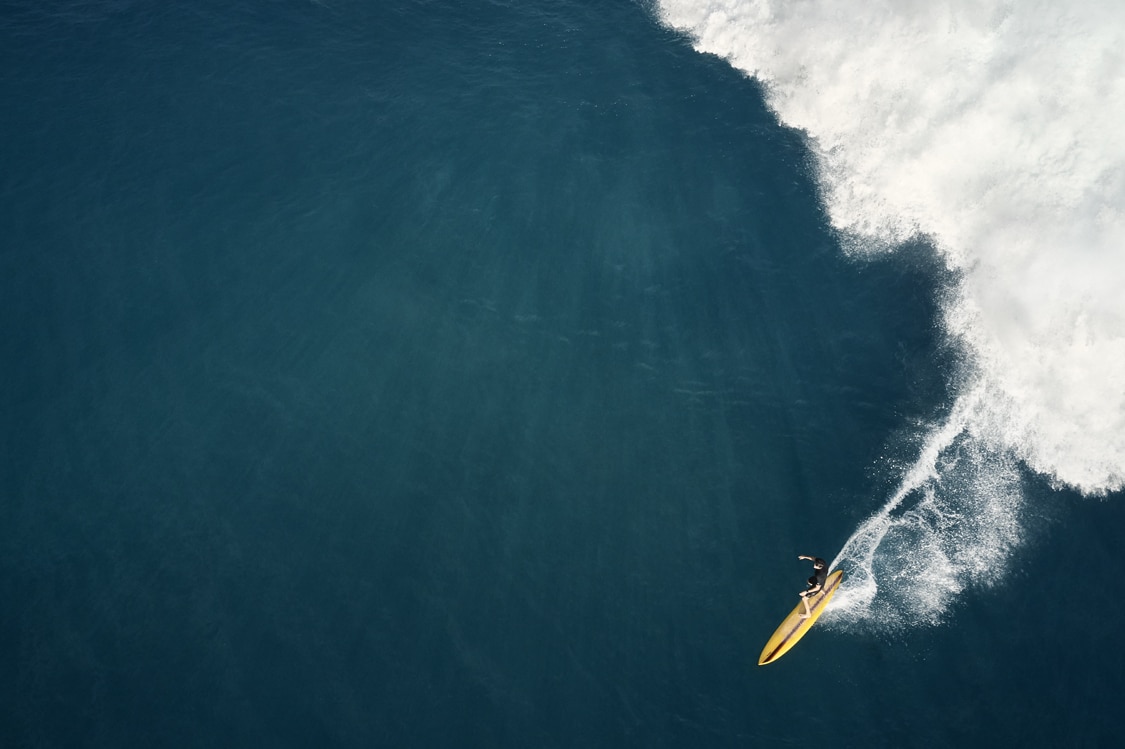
951 524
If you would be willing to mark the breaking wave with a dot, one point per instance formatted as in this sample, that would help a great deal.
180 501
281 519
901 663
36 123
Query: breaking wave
990 130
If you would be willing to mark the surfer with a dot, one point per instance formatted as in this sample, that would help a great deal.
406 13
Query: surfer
816 582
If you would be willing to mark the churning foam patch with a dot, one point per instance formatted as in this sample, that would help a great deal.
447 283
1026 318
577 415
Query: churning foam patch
993 130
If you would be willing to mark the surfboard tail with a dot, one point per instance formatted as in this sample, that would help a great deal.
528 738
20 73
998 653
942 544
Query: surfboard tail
794 627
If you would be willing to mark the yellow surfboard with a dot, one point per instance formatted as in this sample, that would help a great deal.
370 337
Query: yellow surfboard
794 627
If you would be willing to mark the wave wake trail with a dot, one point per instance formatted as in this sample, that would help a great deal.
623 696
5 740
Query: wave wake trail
951 523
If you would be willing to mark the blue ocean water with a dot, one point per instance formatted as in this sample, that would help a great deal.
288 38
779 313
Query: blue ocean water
468 374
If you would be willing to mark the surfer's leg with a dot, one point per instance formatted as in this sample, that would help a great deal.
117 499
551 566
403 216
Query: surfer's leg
808 611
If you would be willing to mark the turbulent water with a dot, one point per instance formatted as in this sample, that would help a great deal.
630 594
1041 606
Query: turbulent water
989 129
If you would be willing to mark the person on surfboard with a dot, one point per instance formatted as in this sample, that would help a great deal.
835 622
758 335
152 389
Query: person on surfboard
816 582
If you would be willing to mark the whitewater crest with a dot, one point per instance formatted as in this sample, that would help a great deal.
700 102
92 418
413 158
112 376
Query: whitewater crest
992 131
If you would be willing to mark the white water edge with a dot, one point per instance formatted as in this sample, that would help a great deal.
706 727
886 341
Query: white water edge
990 129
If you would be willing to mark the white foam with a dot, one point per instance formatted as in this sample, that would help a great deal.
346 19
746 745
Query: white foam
993 129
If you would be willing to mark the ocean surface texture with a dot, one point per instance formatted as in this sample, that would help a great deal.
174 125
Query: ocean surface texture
471 373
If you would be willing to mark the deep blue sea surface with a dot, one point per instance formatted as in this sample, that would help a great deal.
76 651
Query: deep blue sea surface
467 374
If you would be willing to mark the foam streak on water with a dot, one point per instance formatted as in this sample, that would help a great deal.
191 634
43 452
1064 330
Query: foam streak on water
993 130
